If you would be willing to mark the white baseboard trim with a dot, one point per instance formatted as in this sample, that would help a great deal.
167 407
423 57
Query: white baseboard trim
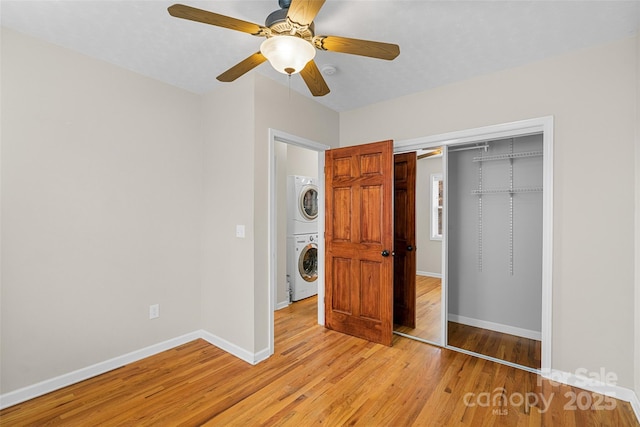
635 404
281 305
595 386
429 274
261 356
47 386
239 352
498 327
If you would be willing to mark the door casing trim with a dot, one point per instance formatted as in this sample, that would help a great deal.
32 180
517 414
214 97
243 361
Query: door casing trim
280 136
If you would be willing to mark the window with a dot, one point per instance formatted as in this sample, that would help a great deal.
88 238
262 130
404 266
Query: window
436 206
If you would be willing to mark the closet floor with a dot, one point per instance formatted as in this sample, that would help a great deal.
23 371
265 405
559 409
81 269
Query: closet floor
514 349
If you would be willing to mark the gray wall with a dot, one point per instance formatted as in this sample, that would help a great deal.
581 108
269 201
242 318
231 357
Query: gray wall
102 182
486 291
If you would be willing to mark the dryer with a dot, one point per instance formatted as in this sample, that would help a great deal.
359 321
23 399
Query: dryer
302 203
302 265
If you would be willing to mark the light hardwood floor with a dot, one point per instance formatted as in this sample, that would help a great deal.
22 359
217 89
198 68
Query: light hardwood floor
428 302
523 351
318 376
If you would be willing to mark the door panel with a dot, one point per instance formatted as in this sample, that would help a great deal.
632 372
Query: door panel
359 227
341 220
371 215
370 304
404 279
341 289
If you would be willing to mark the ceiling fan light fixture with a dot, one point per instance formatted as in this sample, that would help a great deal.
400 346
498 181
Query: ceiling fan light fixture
287 54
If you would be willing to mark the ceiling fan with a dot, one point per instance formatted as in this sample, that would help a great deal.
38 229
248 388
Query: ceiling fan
291 43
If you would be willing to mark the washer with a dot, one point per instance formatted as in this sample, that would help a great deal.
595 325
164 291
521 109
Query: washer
302 265
302 203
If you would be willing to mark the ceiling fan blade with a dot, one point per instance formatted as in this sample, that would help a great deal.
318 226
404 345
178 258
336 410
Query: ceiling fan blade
242 67
314 80
302 12
431 153
206 17
357 47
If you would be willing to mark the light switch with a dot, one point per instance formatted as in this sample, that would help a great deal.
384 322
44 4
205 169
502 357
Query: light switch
240 231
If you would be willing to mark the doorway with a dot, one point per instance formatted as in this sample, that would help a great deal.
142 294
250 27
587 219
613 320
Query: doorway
280 141
494 241
544 128
297 221
428 200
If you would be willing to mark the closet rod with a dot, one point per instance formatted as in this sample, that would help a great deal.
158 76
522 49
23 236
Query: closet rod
470 148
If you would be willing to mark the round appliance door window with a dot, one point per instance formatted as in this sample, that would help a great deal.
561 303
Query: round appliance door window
308 262
309 202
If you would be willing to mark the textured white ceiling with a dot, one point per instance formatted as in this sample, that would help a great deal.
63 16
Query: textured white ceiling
440 41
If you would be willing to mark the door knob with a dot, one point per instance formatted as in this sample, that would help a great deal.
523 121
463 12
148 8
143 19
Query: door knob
385 253
409 248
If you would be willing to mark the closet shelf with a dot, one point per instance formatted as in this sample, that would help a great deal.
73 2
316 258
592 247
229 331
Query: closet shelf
508 156
507 190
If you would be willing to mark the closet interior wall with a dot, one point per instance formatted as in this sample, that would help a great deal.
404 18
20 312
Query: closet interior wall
495 235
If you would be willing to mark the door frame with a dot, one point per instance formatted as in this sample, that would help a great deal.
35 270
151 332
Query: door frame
540 125
284 137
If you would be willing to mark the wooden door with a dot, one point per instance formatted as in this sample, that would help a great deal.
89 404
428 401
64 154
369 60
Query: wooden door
404 240
359 241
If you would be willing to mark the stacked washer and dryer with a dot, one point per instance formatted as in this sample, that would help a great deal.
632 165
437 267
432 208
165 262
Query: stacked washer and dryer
302 236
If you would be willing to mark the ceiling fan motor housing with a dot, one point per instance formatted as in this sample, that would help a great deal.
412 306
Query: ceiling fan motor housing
278 24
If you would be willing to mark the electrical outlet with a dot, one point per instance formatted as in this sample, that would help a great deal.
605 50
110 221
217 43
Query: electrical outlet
154 311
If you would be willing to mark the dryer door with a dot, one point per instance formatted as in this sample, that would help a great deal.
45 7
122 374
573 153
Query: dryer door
309 202
308 263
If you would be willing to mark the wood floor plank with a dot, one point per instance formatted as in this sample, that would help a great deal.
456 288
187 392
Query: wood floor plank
316 376
428 313
523 351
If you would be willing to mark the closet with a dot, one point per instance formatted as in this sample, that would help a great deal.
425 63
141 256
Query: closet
494 245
